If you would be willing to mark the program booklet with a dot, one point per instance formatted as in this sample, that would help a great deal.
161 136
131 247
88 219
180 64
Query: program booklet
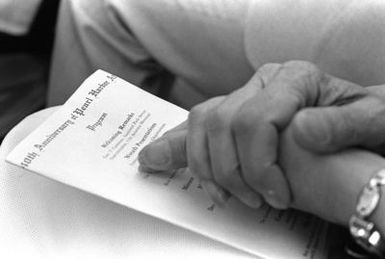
92 143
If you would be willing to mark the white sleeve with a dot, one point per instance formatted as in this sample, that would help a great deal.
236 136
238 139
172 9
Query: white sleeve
345 38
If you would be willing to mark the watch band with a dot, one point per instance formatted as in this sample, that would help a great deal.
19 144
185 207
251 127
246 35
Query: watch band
361 228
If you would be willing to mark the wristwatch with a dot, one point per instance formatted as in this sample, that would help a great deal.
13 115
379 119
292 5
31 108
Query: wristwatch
363 231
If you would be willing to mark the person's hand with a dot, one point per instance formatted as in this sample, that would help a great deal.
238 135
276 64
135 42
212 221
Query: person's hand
358 124
232 142
326 185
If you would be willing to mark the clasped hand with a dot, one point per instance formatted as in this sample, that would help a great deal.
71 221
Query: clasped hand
232 143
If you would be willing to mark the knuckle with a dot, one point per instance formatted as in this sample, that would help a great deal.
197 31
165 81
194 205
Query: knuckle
304 69
267 72
199 112
241 126
216 121
168 133
269 67
245 120
304 80
300 65
248 122
196 113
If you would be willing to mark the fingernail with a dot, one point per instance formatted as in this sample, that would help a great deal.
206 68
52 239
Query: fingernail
145 169
275 201
276 190
216 193
156 155
253 200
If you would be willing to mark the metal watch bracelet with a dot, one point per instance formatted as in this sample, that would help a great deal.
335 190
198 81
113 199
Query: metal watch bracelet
363 231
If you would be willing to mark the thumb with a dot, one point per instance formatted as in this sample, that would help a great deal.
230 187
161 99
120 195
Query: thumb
166 153
328 129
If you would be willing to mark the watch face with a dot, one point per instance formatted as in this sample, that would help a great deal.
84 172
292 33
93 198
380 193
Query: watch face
368 200
363 231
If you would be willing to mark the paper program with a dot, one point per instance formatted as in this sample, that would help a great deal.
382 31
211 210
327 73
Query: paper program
92 143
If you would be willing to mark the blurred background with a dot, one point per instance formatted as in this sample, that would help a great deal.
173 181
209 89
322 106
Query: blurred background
26 39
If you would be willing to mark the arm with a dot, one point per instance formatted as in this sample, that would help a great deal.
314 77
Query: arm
328 185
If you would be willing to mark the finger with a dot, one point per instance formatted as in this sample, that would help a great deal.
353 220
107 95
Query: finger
216 193
294 86
303 83
258 154
266 73
270 112
198 157
335 128
223 154
166 153
248 196
182 126
333 91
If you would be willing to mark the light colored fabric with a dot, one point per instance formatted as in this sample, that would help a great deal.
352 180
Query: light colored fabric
213 47
345 38
16 15
199 42
40 218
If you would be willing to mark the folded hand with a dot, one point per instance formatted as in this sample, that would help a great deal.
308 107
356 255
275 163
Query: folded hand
232 143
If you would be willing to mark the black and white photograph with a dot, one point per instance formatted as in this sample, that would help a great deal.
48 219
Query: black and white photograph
221 129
